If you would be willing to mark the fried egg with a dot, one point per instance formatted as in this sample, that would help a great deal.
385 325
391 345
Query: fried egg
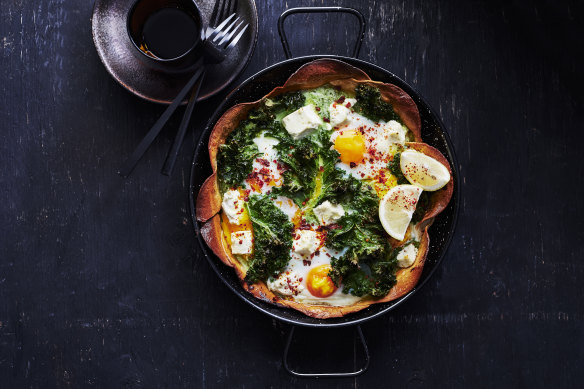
366 147
309 281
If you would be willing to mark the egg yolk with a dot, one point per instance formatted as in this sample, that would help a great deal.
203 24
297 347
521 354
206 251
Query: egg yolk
318 282
351 145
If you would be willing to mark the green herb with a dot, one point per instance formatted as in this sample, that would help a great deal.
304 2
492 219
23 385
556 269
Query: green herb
370 104
395 169
272 239
286 103
368 265
373 276
235 157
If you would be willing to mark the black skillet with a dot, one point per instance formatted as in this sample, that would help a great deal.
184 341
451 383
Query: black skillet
433 133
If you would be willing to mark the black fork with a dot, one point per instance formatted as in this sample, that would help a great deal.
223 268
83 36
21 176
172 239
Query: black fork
221 10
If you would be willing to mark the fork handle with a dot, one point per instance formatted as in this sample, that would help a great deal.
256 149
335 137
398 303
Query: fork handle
308 10
139 151
182 129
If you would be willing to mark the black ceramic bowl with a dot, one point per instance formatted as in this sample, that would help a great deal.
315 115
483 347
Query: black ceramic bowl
433 133
137 19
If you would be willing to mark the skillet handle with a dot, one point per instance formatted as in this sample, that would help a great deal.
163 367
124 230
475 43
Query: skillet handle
303 10
327 375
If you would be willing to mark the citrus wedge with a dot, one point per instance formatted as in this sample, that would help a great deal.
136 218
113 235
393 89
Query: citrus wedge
423 171
396 209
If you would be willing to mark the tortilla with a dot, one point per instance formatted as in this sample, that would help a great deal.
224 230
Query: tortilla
313 75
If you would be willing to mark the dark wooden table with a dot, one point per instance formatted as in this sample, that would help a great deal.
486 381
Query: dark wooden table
101 280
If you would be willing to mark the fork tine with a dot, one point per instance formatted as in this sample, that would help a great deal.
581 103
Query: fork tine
237 38
225 10
227 36
233 6
219 27
224 32
215 14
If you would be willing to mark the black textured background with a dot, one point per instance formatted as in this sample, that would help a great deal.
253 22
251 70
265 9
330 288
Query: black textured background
101 282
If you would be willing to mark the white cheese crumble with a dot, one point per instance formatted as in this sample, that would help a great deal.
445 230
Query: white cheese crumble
407 256
232 206
302 121
241 242
339 112
328 213
288 283
305 242
395 131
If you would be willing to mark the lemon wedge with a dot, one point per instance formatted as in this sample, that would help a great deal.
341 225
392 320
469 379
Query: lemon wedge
396 209
423 171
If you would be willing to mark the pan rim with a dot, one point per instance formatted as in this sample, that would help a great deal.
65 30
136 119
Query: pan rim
252 300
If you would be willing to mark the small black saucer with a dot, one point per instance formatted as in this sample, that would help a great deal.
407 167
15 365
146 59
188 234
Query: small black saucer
115 50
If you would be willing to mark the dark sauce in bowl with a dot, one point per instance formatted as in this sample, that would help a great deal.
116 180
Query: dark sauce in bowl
169 33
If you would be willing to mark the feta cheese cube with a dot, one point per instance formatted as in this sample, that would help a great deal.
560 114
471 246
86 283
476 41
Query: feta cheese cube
407 256
241 242
232 206
396 132
288 283
302 121
328 213
305 242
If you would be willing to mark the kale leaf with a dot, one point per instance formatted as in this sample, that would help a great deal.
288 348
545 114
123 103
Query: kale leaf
370 104
395 169
272 239
368 265
374 275
286 103
235 157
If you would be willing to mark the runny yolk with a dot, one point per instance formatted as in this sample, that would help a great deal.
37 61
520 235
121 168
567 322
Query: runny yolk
228 228
351 145
319 283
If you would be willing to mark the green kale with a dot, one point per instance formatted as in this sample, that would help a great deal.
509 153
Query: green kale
300 159
359 229
272 239
235 157
370 104
310 174
374 275
395 169
368 265
285 103
263 117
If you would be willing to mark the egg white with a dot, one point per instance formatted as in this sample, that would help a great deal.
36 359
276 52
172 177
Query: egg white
286 205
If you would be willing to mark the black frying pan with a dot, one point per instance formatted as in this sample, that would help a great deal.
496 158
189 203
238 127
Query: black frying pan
433 133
